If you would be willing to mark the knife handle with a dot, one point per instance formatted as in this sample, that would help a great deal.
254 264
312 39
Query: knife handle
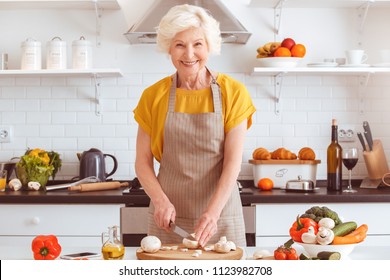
360 136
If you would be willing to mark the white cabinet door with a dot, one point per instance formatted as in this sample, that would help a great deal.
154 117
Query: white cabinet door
71 223
273 221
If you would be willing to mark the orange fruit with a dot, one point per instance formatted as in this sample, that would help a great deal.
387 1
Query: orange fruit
298 50
265 184
282 51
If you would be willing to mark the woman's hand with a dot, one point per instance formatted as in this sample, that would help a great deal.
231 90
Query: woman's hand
164 213
205 228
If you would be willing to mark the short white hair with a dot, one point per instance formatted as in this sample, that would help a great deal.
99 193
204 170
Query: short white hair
183 17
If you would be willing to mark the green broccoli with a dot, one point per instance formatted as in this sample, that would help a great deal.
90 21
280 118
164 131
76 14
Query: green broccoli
317 213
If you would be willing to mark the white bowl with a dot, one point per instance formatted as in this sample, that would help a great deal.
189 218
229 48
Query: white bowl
313 249
279 61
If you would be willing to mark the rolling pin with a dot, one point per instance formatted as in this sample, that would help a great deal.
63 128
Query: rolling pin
98 186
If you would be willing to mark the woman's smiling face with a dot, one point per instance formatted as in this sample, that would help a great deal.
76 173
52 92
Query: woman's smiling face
189 51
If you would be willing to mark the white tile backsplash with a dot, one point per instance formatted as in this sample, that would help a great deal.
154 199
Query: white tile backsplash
59 112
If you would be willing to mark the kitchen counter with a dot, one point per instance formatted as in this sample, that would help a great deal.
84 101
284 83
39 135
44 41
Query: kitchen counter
361 252
249 195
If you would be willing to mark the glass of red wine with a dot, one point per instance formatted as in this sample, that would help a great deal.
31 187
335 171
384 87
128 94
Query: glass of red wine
350 158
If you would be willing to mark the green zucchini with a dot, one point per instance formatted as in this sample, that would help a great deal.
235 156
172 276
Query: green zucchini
304 257
325 255
344 228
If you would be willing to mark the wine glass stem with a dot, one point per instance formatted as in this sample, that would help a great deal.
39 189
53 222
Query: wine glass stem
349 179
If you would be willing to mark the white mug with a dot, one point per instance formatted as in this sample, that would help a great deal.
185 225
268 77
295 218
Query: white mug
355 57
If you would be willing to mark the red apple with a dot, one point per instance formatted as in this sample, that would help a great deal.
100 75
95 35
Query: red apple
288 43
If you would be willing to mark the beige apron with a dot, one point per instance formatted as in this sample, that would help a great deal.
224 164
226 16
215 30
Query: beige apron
190 168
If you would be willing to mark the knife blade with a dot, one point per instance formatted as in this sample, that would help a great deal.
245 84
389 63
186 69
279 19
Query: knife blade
367 134
361 139
180 231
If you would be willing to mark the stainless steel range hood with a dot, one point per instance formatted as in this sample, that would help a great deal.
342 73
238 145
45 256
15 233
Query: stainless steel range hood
144 31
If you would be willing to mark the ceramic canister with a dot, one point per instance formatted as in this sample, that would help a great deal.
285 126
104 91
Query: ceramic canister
56 54
82 54
31 55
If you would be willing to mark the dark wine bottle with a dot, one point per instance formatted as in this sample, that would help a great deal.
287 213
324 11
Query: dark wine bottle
334 161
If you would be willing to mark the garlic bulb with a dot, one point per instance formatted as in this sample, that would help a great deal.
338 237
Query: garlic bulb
150 244
15 184
261 253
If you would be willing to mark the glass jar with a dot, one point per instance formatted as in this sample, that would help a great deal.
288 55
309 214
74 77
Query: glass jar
112 248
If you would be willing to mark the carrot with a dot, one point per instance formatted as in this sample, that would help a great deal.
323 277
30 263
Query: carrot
358 235
360 229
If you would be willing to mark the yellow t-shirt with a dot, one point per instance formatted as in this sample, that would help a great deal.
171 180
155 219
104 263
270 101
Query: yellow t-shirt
152 108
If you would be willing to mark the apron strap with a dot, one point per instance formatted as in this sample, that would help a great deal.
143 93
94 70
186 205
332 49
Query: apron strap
215 89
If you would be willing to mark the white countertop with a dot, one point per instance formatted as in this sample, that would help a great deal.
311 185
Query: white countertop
361 252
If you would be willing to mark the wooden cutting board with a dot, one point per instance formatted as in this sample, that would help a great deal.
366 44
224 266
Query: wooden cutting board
178 255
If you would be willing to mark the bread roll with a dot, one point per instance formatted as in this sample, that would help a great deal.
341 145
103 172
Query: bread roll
261 153
306 153
283 153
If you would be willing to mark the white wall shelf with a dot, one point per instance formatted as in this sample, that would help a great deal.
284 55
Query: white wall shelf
278 73
100 73
318 3
59 4
96 74
273 71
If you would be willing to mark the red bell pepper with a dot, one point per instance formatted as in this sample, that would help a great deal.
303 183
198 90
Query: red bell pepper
45 247
300 226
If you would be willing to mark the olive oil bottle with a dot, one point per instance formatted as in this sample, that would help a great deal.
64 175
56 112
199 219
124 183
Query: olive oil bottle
334 161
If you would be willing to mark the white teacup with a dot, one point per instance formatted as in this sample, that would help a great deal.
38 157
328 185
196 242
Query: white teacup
355 57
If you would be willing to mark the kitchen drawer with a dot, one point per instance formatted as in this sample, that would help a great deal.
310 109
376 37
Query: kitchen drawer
276 219
61 220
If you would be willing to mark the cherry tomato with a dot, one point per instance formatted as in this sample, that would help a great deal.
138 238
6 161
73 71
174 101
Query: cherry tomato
291 256
278 255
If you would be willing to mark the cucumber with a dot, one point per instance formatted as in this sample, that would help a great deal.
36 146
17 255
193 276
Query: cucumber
344 228
325 255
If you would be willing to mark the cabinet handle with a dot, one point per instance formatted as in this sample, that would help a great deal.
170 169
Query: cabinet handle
35 220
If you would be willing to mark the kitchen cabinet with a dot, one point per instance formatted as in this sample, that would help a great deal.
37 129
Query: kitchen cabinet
273 221
74 225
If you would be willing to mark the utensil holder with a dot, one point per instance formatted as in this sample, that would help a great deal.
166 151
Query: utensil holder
376 161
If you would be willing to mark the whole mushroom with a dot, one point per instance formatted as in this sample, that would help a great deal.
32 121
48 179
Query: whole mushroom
150 244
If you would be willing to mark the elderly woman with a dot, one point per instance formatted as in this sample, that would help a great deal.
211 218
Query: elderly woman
194 124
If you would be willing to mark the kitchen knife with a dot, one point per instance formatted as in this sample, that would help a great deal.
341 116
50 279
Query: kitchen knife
367 134
361 139
180 231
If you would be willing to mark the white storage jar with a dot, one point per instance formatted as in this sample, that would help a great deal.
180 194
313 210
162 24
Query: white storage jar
56 54
82 54
31 55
